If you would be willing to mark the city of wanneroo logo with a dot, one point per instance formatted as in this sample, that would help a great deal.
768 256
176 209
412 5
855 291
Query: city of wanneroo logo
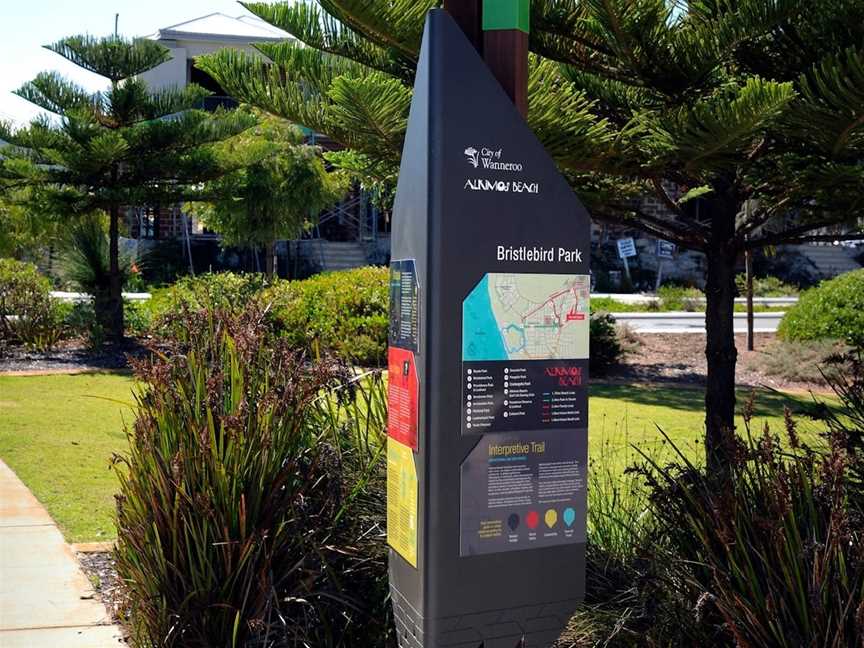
473 156
489 159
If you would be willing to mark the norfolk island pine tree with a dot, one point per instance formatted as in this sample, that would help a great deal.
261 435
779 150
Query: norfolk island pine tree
124 146
737 102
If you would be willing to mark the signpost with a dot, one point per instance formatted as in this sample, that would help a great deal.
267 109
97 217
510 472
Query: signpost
626 249
665 251
487 453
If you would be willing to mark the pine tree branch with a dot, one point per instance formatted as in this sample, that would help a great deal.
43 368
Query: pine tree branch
642 221
682 229
755 222
661 193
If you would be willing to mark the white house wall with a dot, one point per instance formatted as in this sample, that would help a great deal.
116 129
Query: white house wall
172 73
175 72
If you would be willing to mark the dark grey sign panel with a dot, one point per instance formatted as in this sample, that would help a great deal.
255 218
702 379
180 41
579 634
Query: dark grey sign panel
524 491
404 305
480 204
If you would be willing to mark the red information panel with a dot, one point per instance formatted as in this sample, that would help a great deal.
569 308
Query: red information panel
403 394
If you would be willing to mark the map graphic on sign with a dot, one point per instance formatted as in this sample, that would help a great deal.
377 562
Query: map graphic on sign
526 317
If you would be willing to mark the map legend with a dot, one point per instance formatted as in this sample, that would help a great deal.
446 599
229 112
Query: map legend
523 395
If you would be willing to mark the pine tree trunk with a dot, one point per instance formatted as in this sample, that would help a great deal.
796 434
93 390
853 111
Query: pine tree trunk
270 260
720 351
114 306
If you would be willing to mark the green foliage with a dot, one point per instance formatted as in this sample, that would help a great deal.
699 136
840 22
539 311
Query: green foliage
278 190
647 89
605 349
221 291
772 556
113 57
84 256
26 232
138 317
28 315
680 298
116 147
345 313
768 286
833 309
248 513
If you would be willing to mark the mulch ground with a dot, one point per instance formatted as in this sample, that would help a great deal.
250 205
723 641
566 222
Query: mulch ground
72 356
673 359
654 359
100 568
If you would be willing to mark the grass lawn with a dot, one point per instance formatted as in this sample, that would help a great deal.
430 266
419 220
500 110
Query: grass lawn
58 434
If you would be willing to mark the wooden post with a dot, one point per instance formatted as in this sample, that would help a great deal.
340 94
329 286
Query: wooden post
467 14
506 24
748 268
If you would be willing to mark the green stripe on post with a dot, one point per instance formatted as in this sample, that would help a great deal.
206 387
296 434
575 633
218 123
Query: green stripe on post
507 14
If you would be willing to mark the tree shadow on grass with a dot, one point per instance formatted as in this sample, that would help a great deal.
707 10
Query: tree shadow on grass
767 402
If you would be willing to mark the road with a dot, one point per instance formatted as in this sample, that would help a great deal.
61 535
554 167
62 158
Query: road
683 322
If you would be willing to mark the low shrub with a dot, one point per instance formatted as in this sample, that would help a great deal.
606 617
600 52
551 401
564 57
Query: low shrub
807 361
680 298
345 313
223 291
605 350
610 305
768 286
834 309
137 317
28 315
250 510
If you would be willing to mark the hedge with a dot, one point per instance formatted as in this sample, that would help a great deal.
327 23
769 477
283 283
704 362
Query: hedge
832 310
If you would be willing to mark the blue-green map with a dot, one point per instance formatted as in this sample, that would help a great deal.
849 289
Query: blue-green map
526 316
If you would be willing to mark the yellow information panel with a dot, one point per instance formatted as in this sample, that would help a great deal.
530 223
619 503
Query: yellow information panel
402 501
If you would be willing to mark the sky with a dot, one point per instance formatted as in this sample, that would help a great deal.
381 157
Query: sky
27 25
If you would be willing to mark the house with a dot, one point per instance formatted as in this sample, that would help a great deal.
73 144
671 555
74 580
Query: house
352 233
205 35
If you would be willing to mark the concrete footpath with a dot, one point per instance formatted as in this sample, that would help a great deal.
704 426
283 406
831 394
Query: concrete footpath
45 599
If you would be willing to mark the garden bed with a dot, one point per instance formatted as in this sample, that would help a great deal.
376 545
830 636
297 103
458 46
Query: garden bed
679 359
70 356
